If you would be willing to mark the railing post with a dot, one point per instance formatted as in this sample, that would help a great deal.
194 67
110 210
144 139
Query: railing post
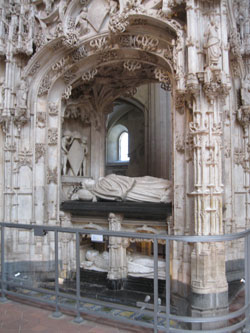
167 251
57 313
3 299
155 285
78 318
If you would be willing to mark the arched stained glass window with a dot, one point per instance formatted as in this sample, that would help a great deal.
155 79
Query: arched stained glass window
123 147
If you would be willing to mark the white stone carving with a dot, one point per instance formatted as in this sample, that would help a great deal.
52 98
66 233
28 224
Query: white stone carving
213 44
52 136
81 22
163 77
52 176
245 91
45 86
41 119
67 92
79 53
53 109
74 154
40 150
89 75
131 65
119 188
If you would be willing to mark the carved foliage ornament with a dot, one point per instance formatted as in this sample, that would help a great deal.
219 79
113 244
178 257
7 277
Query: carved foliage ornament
39 151
52 136
162 76
45 86
67 92
101 43
53 108
89 75
132 65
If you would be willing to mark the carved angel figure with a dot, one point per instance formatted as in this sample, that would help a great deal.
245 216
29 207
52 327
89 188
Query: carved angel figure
212 45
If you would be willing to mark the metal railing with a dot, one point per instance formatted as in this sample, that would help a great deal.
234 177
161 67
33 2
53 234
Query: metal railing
156 310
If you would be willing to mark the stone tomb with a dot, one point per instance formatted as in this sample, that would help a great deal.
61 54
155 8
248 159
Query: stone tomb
120 257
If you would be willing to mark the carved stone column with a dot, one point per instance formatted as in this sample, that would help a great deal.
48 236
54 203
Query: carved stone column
208 273
117 254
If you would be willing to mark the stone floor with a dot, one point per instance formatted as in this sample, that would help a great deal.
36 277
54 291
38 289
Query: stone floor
25 318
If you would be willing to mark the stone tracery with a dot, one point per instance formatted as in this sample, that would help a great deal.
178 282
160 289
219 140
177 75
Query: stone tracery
63 55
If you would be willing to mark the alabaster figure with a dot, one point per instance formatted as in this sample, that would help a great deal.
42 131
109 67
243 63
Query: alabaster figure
212 45
96 261
67 140
137 265
122 188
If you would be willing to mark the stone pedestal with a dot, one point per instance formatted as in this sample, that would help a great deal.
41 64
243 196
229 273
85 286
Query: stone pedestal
209 296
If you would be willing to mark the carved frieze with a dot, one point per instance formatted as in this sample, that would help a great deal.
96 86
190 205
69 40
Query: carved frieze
146 43
132 65
45 85
35 68
52 136
100 44
163 77
39 151
89 75
60 64
107 56
118 23
67 92
69 76
71 39
79 53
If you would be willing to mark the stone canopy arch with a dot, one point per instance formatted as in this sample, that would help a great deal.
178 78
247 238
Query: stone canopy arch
100 65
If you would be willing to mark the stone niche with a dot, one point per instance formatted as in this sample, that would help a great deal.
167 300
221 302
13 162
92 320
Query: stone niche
75 149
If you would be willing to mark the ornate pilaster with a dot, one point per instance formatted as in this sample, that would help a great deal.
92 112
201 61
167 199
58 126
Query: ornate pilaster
208 274
117 253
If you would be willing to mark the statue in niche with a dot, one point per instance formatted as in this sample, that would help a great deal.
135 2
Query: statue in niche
74 154
245 91
122 188
84 145
21 95
81 21
67 140
213 49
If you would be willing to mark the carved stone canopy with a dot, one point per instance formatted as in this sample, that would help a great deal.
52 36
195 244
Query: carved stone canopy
106 83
